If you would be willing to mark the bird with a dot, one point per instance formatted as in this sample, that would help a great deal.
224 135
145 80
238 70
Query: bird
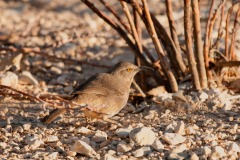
103 95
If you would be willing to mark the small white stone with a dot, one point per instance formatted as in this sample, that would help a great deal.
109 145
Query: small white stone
209 138
26 78
173 138
83 130
35 144
9 79
51 138
227 105
218 152
53 155
83 148
109 157
233 147
194 156
143 151
142 136
180 128
3 145
99 136
203 96
121 147
157 145
206 150
71 153
179 152
26 126
123 132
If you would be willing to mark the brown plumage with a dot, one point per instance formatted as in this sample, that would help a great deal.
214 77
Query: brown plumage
103 95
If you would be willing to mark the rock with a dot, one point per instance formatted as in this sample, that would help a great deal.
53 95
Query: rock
53 155
169 103
210 137
109 157
143 151
180 128
179 152
173 138
179 97
233 147
157 145
51 138
83 148
203 96
99 136
218 152
9 79
71 153
194 156
56 70
142 136
3 145
191 129
227 105
205 150
27 126
83 130
26 78
157 91
35 144
121 147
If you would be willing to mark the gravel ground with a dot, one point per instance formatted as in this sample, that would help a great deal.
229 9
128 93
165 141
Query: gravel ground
184 125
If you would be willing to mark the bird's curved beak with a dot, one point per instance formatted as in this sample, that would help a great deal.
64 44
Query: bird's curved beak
145 68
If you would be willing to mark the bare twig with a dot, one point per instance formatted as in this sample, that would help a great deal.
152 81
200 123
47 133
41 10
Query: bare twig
189 45
199 45
118 29
174 35
230 10
126 27
234 31
160 52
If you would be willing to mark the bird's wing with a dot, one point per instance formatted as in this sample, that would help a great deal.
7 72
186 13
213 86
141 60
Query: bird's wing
99 85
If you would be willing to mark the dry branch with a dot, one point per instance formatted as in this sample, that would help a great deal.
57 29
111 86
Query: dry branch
189 45
115 26
158 47
199 45
174 35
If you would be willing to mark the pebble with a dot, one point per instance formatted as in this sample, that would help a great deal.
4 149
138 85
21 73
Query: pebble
109 157
218 152
56 70
194 156
83 148
123 132
83 130
99 136
227 105
143 151
35 144
205 150
203 96
233 147
51 138
180 128
26 78
173 138
157 145
53 156
71 153
9 79
179 152
122 147
178 96
26 126
142 136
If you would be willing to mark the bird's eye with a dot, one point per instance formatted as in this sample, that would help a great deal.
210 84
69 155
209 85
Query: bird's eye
129 69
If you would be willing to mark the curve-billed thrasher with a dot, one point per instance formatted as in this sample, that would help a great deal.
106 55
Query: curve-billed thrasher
103 95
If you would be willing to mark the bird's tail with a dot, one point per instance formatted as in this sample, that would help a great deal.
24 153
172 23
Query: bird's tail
53 115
